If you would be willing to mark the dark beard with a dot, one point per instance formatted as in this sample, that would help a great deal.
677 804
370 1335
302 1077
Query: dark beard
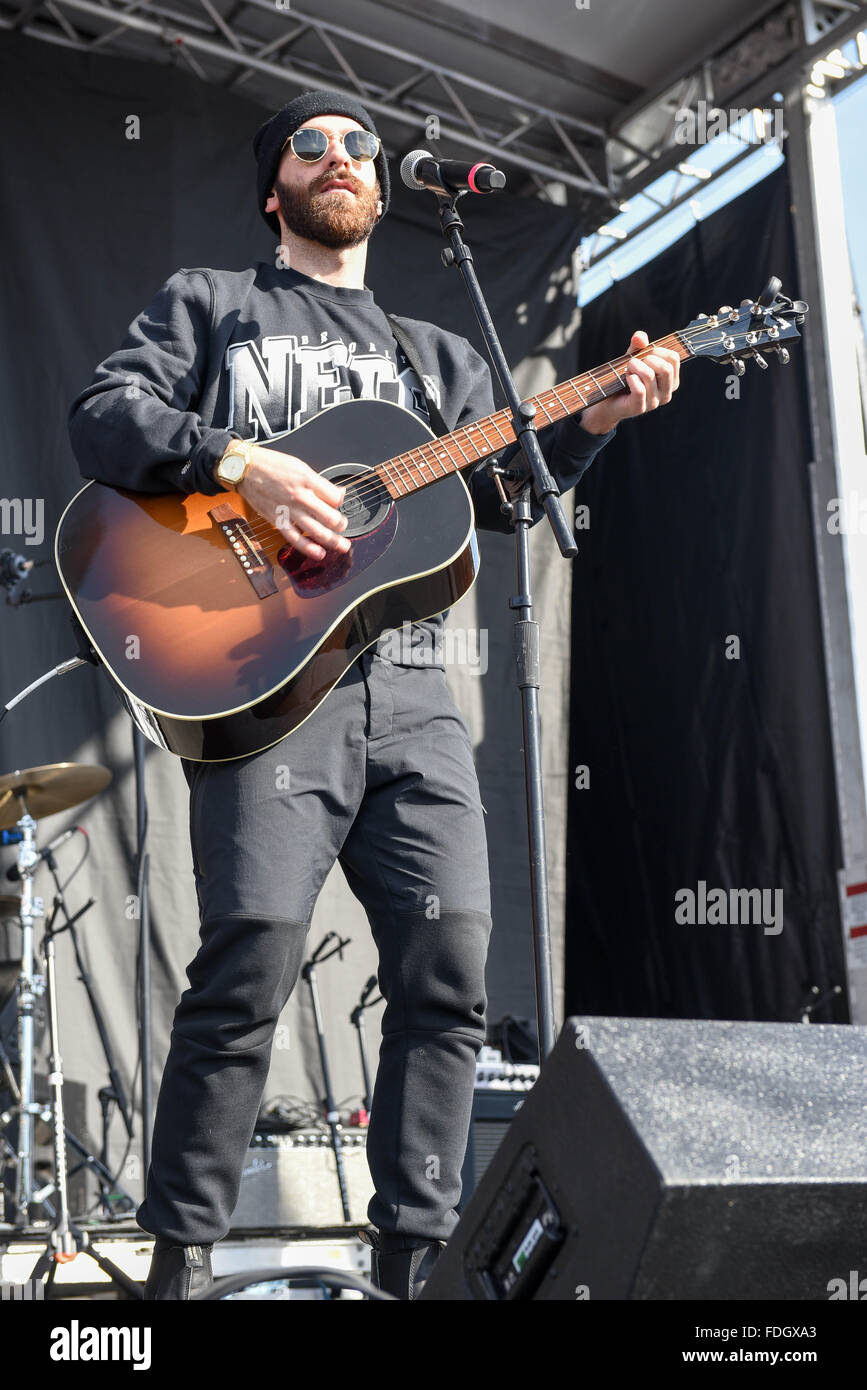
331 223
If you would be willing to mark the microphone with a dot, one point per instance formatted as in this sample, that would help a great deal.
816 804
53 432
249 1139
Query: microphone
419 169
14 874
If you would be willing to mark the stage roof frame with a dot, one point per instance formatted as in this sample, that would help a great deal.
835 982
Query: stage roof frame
581 110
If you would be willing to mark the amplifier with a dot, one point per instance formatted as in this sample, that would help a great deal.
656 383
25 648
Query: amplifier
493 1074
290 1180
498 1096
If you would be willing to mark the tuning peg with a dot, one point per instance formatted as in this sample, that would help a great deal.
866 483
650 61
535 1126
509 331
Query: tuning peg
701 318
738 366
746 303
724 309
770 292
760 359
783 354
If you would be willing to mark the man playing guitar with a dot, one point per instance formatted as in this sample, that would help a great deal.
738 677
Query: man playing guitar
381 774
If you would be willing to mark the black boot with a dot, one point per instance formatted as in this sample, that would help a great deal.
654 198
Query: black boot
178 1271
401 1271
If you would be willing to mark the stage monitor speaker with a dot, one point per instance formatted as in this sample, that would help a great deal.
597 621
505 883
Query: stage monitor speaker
670 1159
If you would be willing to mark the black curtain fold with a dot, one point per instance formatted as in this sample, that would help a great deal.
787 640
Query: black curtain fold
699 697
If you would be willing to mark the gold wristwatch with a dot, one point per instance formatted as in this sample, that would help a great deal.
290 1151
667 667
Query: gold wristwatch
234 464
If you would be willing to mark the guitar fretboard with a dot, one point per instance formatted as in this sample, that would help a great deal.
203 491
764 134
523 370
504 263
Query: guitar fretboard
471 443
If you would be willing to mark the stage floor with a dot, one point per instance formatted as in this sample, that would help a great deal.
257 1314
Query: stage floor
128 1248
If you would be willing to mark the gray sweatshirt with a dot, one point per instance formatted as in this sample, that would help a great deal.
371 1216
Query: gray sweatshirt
219 355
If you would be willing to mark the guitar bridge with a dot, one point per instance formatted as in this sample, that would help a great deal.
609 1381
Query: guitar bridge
246 549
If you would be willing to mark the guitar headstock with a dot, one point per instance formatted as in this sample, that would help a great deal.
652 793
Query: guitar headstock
756 329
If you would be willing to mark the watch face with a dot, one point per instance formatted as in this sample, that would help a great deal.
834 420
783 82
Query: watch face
232 468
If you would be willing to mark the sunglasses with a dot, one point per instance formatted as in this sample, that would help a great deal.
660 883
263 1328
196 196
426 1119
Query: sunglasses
310 144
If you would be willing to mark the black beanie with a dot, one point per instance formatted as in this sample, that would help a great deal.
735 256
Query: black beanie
270 138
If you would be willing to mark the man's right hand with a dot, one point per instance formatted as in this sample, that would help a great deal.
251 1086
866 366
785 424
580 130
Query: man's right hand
297 501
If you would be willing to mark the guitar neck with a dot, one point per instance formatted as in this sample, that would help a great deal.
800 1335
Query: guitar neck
451 453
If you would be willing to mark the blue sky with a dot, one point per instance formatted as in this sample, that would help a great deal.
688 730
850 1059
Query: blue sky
851 128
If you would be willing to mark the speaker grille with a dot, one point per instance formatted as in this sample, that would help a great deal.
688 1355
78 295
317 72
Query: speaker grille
485 1138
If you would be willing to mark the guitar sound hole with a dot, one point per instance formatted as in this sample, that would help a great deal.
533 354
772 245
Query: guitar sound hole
366 502
372 522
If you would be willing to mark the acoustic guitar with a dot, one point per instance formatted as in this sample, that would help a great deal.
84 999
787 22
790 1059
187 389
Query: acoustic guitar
222 638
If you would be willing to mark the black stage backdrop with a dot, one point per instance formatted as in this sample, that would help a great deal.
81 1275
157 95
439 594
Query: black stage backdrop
94 222
699 702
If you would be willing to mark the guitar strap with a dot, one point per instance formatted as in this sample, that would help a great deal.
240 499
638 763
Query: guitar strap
410 352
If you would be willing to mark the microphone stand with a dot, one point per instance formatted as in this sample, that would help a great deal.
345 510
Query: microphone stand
86 652
356 1018
332 1115
114 1093
534 472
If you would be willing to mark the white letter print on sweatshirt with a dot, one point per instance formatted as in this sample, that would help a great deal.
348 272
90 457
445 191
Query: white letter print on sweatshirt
291 380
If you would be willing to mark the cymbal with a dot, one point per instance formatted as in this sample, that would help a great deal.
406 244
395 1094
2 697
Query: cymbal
49 789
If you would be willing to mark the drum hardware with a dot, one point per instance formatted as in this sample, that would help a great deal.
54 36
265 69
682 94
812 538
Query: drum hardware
14 569
87 655
26 796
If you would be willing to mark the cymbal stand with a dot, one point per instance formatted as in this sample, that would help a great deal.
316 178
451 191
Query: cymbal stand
30 986
65 1240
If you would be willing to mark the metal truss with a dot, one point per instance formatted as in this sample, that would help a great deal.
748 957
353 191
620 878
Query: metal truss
273 50
738 89
419 100
743 75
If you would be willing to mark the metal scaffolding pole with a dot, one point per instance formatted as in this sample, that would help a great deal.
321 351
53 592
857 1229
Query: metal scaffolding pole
827 483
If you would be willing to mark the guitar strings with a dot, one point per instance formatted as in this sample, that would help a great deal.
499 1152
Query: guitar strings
601 377
377 483
261 529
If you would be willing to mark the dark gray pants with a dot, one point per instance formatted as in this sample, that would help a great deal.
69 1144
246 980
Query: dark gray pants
382 778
